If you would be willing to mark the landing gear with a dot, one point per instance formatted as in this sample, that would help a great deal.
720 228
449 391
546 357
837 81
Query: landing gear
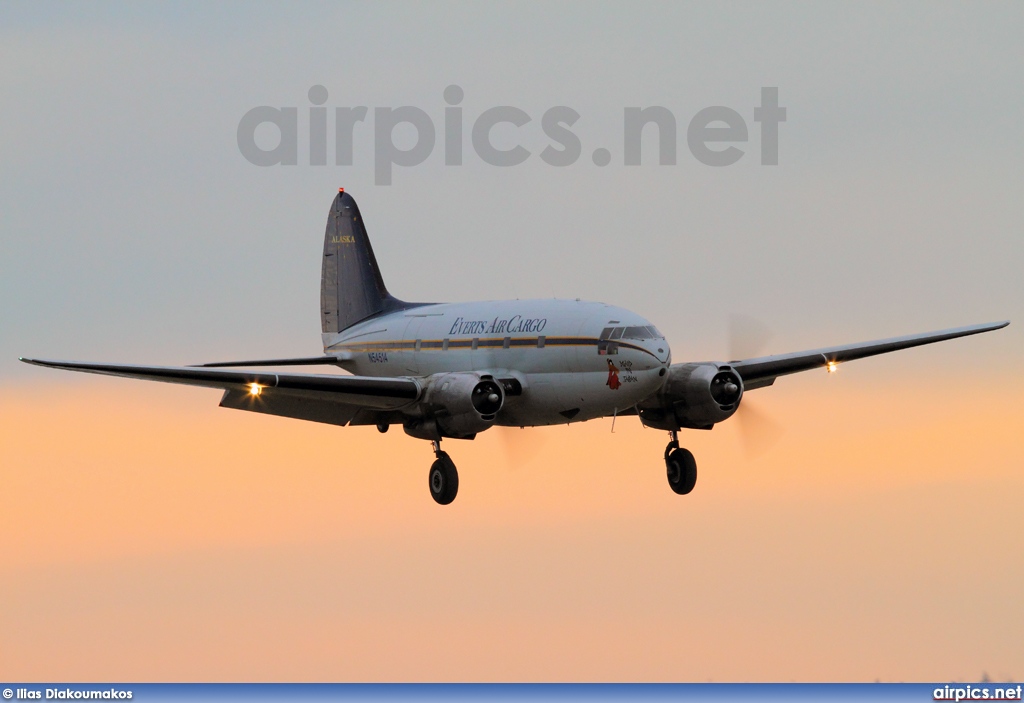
680 467
443 477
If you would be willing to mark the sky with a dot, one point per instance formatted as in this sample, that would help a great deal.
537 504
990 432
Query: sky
147 534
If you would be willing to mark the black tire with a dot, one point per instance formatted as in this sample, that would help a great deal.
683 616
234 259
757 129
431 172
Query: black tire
443 479
681 469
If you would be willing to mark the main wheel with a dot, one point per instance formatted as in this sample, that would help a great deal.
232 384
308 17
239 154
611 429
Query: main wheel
444 479
681 469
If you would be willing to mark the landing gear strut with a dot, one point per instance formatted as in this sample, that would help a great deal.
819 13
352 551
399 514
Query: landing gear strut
680 467
443 477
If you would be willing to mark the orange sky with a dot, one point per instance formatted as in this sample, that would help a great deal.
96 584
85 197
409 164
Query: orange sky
146 534
149 535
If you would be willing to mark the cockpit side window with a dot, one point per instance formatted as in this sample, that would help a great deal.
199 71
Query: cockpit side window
604 346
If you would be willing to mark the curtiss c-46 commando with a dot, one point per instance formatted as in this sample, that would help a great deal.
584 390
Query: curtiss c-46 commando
453 370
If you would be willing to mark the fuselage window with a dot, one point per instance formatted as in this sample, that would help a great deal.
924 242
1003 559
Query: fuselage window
540 342
476 343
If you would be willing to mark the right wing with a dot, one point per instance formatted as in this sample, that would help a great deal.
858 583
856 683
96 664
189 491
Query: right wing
762 371
338 400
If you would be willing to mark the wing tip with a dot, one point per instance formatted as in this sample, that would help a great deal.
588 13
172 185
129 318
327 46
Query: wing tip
45 363
991 326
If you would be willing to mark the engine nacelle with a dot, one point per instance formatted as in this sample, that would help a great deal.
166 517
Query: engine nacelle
457 405
694 396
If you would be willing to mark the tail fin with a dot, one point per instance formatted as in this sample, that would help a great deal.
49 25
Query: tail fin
351 287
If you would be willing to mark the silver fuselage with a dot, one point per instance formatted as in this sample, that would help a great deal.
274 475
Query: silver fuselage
554 348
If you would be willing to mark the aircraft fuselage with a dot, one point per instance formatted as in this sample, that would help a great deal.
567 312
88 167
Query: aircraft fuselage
574 360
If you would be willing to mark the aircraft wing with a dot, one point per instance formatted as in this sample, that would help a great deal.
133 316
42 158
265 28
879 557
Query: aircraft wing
762 371
338 400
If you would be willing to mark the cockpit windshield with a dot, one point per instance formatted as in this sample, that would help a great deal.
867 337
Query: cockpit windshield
637 332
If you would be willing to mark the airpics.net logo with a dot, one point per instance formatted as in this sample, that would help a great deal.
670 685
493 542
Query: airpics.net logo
714 135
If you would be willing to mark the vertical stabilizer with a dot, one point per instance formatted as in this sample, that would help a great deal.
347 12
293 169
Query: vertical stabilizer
351 287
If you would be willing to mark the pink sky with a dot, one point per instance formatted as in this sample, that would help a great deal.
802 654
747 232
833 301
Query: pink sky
149 535
146 534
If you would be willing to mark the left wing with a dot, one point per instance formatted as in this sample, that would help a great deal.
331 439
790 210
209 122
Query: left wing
338 400
763 371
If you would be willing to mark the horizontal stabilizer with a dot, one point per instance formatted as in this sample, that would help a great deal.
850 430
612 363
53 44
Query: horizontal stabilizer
297 407
306 361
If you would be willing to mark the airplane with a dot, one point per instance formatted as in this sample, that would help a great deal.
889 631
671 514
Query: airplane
454 370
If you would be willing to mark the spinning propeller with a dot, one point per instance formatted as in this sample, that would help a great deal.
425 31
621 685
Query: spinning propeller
748 338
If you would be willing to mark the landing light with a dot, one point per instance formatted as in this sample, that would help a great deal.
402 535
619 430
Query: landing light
832 366
255 389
